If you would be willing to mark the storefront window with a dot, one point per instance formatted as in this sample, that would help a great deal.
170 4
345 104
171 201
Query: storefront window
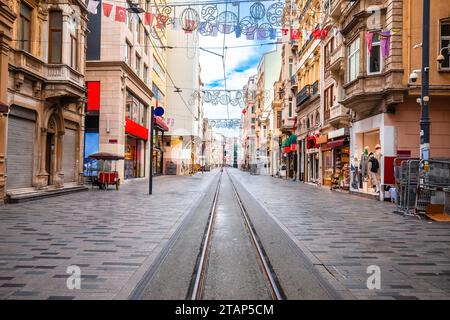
327 167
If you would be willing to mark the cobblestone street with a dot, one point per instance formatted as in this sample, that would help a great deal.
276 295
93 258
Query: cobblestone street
116 237
112 236
344 234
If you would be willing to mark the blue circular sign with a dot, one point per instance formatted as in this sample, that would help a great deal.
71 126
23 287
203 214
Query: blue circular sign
159 111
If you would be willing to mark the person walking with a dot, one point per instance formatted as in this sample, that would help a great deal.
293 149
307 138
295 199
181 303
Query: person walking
374 166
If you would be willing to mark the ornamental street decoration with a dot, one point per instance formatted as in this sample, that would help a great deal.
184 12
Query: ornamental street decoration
262 20
224 123
234 98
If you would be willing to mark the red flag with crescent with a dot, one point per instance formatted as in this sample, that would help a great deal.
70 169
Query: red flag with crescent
121 14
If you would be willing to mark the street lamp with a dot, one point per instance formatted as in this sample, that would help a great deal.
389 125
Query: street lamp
424 115
441 57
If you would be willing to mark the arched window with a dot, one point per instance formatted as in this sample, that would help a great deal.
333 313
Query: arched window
445 42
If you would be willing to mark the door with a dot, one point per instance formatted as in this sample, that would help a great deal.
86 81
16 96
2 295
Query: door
21 135
69 155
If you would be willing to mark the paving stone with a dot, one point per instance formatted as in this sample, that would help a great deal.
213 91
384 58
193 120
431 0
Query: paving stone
346 234
108 234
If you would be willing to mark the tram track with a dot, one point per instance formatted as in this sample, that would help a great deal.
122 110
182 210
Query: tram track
199 276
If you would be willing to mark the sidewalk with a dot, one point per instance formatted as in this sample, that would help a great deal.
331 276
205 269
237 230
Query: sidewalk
344 234
113 236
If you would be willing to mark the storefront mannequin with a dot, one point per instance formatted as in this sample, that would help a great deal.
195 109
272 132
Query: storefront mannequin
363 163
374 167
355 173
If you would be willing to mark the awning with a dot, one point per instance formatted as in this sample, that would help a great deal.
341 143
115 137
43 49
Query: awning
311 142
322 139
336 143
160 123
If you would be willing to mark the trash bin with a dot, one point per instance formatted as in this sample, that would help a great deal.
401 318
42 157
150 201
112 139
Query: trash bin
171 168
447 200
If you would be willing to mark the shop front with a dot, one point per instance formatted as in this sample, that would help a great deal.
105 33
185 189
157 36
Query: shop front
135 145
289 148
371 138
312 159
338 165
160 126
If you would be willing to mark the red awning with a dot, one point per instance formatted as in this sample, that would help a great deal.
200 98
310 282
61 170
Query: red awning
311 142
161 123
136 129
336 143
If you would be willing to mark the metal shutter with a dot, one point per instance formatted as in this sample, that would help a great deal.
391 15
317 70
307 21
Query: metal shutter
69 155
21 135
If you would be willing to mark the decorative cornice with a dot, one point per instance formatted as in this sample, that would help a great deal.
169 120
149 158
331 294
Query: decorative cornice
124 66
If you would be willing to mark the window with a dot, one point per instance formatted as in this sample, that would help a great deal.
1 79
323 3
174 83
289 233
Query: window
291 67
73 51
290 106
157 93
55 36
129 18
137 30
329 47
145 73
445 42
374 60
25 27
353 60
158 69
128 53
329 100
138 64
146 40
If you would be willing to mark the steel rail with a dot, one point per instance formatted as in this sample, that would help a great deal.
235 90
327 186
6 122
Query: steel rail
201 269
277 292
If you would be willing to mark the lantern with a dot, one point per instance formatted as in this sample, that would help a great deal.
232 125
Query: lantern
189 19
287 149
293 147
257 11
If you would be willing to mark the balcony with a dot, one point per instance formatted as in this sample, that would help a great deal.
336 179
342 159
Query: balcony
315 88
287 124
337 8
303 95
294 83
27 62
337 59
62 72
339 116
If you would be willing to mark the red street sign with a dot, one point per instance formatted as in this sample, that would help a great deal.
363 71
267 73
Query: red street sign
113 141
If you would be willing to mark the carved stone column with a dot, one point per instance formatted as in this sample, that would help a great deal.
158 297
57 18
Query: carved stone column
6 23
58 178
42 178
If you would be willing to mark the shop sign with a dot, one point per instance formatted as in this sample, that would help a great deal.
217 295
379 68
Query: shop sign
338 133
113 141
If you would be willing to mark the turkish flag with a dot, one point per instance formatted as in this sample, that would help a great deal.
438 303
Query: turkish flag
107 8
295 34
148 19
121 14
317 33
284 31
323 34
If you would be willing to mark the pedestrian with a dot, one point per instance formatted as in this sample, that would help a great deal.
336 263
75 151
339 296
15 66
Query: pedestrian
374 165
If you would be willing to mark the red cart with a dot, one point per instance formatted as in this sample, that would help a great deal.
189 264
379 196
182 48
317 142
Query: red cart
106 176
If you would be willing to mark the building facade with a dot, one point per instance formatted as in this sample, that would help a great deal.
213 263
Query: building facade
125 79
46 91
185 140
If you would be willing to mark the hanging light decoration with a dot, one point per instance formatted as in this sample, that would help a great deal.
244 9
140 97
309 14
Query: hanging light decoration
189 19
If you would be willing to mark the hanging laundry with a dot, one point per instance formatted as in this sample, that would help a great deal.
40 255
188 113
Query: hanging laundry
385 39
121 14
369 39
92 6
107 9
148 19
